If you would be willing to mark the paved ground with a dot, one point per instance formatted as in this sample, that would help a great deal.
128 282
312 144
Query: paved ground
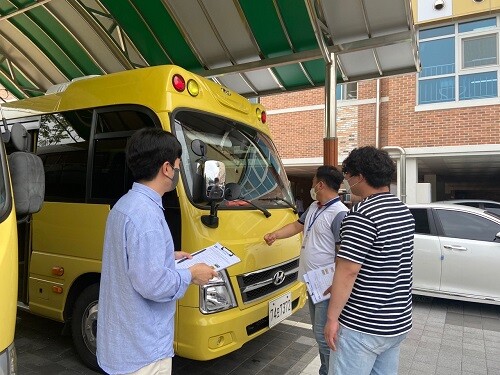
42 350
449 338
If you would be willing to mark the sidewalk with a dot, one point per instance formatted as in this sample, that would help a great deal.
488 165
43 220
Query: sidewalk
448 338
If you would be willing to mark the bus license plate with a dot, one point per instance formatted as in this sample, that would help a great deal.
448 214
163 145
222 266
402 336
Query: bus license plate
280 309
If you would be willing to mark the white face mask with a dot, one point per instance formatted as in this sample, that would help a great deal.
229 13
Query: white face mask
348 186
313 192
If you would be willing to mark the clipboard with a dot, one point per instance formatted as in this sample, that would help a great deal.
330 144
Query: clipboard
319 280
216 255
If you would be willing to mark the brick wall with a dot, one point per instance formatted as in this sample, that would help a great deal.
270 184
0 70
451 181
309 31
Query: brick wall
294 99
450 127
300 134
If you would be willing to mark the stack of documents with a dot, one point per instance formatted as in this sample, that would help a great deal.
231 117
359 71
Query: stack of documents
217 256
319 280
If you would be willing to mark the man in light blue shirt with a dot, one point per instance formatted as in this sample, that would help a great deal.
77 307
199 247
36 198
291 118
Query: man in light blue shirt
139 282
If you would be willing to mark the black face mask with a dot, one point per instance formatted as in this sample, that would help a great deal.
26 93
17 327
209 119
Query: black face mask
175 179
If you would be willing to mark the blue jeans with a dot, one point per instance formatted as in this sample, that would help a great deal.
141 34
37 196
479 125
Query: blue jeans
362 354
318 321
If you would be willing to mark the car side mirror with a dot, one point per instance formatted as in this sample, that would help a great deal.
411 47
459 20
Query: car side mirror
497 236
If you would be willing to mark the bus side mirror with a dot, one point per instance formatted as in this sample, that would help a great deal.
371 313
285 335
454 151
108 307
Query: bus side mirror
232 192
214 181
199 147
20 137
214 177
28 182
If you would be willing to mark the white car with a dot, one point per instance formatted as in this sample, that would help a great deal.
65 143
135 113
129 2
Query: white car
457 252
487 205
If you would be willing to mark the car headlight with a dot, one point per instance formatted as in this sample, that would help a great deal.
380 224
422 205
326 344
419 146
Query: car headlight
217 295
8 361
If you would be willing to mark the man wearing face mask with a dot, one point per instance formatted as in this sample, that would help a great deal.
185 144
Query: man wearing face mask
139 283
320 224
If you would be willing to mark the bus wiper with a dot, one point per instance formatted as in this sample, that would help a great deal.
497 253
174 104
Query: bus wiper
233 193
263 210
281 200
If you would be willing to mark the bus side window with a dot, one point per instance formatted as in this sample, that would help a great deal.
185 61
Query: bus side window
65 176
111 177
109 170
63 148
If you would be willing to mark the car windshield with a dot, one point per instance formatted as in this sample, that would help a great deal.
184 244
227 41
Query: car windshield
249 157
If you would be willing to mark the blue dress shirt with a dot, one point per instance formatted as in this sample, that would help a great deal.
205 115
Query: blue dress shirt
139 285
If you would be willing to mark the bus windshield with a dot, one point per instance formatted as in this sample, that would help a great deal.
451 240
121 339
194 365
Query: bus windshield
249 157
3 182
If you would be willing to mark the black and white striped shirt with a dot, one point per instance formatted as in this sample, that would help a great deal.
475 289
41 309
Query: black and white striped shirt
378 234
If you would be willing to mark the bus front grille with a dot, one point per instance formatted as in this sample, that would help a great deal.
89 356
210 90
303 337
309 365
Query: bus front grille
259 284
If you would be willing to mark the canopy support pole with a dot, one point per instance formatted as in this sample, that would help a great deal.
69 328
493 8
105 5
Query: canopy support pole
330 142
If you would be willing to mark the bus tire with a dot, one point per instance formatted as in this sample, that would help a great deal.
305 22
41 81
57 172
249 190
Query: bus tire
84 325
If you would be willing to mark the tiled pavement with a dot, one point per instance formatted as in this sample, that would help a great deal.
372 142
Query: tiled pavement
448 338
42 350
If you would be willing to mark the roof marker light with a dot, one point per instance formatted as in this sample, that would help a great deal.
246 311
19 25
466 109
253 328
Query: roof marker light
193 88
261 115
178 82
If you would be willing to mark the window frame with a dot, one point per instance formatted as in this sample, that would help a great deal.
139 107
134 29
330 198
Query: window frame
477 69
442 232
460 71
343 91
433 231
6 207
89 150
95 136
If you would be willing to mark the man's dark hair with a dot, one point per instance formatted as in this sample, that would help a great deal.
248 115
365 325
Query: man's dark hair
330 175
374 164
148 149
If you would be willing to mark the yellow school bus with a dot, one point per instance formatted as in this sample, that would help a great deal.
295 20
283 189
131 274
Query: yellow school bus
8 269
25 182
233 190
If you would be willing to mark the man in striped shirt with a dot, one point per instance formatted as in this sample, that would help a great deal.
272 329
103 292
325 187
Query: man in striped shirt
370 311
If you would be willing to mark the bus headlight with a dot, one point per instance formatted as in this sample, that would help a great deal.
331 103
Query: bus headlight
217 295
8 361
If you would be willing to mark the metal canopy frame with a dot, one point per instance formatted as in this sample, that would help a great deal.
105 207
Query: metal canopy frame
255 47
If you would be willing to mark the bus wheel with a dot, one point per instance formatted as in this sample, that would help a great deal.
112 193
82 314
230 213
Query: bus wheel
84 325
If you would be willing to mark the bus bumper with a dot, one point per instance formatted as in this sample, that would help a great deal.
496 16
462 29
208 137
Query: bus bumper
204 337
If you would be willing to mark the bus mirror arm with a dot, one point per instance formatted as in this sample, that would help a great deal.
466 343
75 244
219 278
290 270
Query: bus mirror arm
211 221
6 133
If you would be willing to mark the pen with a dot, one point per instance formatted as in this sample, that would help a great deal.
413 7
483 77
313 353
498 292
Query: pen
193 255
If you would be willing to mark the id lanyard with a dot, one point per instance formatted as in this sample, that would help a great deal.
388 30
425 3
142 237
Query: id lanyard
315 216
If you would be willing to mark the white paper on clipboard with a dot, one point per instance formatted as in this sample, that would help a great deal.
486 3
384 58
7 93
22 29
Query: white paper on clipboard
319 280
218 256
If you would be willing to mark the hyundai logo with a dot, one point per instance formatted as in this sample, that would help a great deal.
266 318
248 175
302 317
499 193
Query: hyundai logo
278 278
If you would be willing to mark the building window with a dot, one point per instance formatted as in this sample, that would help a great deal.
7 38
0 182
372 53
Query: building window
459 62
347 91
